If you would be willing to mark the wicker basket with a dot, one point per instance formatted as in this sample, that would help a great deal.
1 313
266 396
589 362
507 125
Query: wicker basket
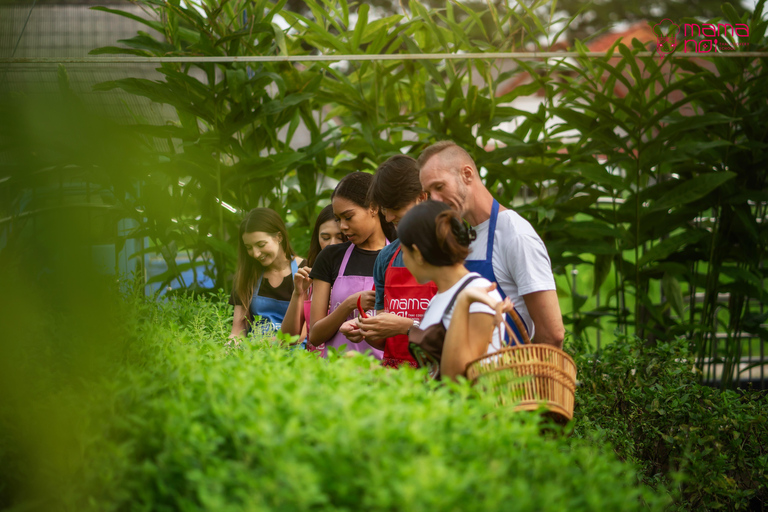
528 375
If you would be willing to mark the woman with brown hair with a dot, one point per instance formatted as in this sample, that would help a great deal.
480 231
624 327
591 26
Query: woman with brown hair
325 233
266 264
435 242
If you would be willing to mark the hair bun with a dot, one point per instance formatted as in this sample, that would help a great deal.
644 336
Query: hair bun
463 232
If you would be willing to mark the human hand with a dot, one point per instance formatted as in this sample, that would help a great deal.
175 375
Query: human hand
505 310
367 300
502 308
234 338
350 330
301 281
384 325
478 294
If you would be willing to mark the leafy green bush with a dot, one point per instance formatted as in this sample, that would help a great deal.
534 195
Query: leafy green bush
645 400
188 422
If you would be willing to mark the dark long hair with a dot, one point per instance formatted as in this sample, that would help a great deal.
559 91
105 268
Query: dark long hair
441 236
326 214
249 269
396 183
354 186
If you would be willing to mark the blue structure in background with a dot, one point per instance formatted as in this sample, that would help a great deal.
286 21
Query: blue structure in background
102 230
156 265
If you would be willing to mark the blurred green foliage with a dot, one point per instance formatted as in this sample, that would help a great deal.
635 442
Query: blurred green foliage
179 419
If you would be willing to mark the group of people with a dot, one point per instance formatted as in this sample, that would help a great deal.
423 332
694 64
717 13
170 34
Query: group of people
418 243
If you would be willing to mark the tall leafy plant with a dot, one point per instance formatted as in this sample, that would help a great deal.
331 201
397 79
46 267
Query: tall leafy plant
672 149
386 107
731 259
224 153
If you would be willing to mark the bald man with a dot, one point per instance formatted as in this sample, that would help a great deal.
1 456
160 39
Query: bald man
507 249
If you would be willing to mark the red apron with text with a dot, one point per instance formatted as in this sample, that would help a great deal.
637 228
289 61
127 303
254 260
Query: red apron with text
403 296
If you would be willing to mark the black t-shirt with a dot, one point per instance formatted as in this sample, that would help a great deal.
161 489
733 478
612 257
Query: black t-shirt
282 292
328 262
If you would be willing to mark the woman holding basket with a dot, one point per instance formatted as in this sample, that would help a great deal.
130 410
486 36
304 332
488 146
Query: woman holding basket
435 242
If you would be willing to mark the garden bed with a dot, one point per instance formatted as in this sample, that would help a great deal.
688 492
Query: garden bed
179 419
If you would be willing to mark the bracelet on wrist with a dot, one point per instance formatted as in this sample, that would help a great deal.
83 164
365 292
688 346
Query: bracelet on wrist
414 324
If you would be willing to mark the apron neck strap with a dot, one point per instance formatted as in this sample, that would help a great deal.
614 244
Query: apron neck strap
492 228
394 257
346 259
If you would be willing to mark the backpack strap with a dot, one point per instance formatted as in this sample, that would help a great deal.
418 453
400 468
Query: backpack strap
455 295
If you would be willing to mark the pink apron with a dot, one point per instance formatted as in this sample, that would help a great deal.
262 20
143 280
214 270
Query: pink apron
307 307
343 287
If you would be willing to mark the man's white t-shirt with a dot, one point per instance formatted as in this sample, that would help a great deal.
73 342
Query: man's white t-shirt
520 259
440 301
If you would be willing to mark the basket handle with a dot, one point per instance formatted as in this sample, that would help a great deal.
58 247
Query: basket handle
520 327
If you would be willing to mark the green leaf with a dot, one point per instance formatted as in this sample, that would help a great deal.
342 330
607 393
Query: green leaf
236 79
588 230
155 25
691 190
672 244
742 274
362 21
532 15
144 42
116 50
520 91
280 39
686 124
600 175
377 28
318 35
294 124
673 293
630 57
268 166
578 300
275 106
435 31
602 270
730 12
220 245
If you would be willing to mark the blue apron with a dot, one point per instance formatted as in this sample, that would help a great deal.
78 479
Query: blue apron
271 311
485 269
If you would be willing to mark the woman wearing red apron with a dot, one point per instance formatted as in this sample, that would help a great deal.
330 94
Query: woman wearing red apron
400 300
343 273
